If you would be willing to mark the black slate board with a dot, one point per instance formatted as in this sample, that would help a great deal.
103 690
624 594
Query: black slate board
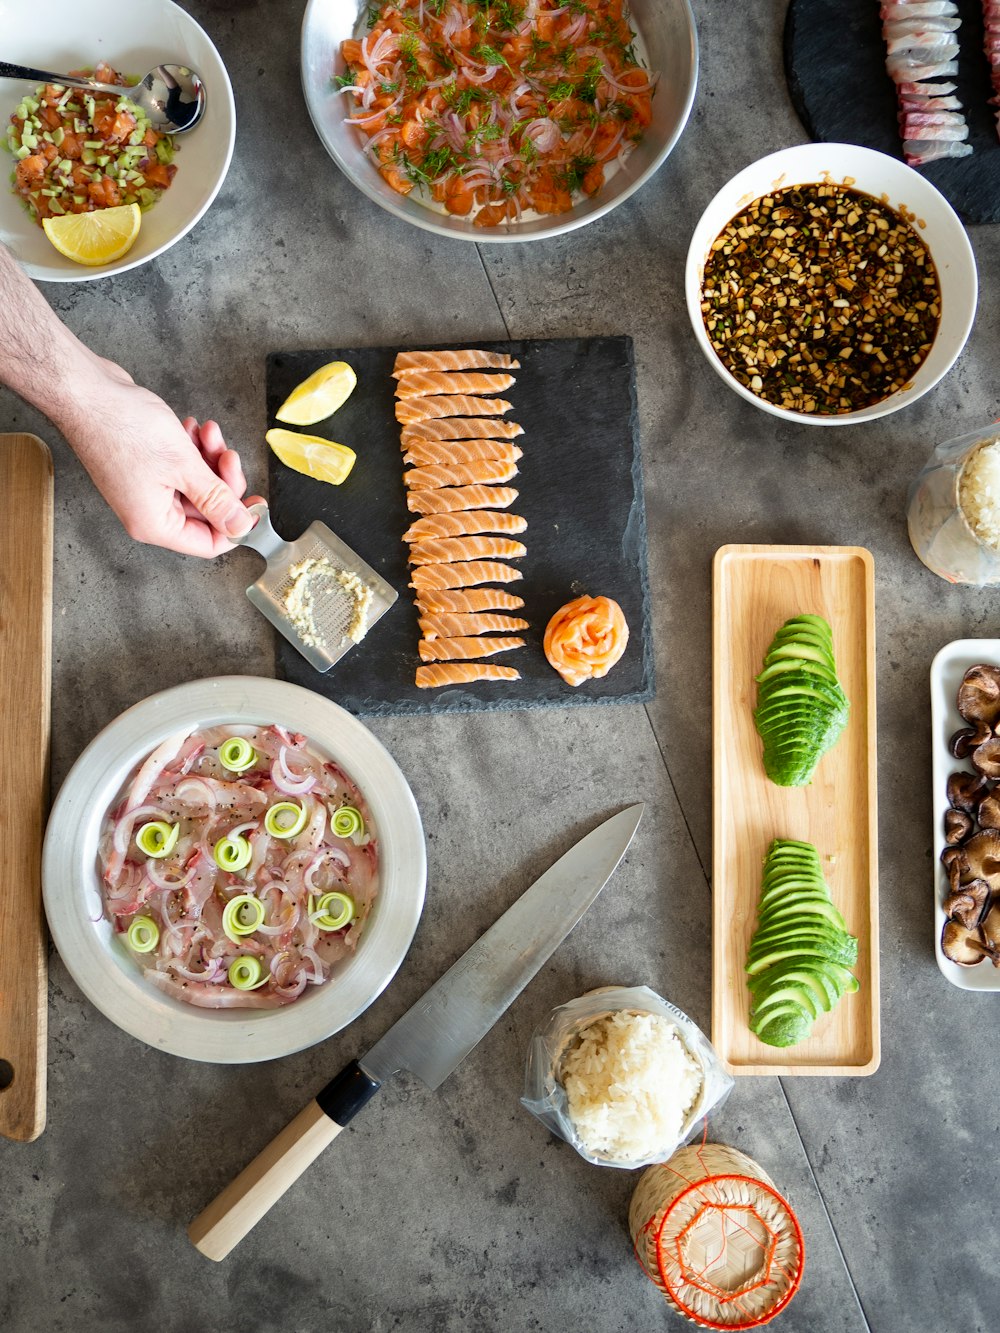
835 66
580 485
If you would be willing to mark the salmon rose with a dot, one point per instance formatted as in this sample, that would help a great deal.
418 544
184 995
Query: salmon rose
585 638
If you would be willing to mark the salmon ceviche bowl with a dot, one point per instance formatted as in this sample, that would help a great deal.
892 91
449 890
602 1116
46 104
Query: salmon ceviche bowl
495 110
79 152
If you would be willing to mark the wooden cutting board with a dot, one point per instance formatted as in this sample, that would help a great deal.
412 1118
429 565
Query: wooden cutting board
25 669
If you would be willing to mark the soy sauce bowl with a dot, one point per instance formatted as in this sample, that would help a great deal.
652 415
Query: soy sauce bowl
887 180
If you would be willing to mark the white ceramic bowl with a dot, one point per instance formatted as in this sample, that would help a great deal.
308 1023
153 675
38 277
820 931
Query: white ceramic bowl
671 42
99 962
133 38
875 174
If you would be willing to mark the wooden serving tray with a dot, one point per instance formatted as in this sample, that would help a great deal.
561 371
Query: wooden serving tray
755 590
25 663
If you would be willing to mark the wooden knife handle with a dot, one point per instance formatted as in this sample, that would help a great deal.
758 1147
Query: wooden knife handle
241 1205
25 663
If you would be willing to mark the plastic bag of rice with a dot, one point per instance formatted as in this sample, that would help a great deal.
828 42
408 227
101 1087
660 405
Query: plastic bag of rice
623 1076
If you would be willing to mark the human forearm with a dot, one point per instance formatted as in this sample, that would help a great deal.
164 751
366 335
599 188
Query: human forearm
40 359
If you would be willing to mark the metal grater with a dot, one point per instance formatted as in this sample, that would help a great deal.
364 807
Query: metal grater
332 605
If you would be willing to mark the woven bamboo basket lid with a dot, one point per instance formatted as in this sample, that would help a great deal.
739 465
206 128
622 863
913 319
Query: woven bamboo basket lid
716 1237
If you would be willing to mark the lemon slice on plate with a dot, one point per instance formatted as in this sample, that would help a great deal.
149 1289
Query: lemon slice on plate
317 458
319 396
95 238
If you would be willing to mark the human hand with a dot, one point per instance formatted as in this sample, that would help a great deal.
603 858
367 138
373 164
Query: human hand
172 485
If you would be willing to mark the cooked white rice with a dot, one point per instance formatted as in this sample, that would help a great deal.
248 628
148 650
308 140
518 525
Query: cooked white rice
630 1082
979 492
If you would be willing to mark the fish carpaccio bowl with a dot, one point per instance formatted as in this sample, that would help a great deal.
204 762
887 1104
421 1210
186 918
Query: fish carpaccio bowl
95 954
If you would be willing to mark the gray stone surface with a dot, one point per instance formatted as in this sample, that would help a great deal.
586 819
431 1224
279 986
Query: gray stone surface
455 1210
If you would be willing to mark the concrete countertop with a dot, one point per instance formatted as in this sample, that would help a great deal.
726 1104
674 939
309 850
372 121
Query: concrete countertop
456 1210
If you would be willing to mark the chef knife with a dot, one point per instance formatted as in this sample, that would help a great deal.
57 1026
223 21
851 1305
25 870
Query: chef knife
435 1035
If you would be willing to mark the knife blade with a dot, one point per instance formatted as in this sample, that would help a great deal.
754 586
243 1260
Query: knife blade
433 1036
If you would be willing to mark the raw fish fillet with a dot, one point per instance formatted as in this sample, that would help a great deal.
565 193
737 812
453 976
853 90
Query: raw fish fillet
483 472
443 601
420 384
460 428
463 575
445 550
446 650
449 405
471 359
462 673
921 41
463 523
445 499
422 452
456 626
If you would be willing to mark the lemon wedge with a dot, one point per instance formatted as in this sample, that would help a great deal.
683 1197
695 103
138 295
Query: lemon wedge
312 456
95 238
319 396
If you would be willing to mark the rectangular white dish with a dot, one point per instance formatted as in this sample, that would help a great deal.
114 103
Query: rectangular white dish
947 670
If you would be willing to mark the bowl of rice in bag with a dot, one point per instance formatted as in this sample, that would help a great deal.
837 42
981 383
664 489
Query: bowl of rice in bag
622 1075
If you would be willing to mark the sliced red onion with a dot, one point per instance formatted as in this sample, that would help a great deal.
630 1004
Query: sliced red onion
318 972
544 133
196 790
634 88
490 72
286 781
168 876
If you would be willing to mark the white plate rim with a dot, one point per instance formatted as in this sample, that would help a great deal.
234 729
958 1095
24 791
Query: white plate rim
947 669
101 969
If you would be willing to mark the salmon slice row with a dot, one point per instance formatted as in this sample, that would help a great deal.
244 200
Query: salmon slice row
458 626
461 601
463 523
422 452
449 405
420 385
465 574
447 499
470 359
462 673
447 650
446 550
484 472
460 428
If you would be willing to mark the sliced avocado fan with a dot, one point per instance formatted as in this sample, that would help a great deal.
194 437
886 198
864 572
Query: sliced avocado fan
801 953
801 709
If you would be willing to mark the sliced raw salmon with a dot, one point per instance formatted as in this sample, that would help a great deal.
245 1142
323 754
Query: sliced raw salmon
445 601
449 452
443 550
462 673
483 472
449 405
419 384
462 524
484 622
463 575
460 428
470 359
446 650
446 499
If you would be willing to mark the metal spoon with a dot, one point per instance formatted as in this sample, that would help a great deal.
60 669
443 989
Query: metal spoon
171 96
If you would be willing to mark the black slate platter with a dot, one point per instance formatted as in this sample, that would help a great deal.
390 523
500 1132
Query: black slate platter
835 66
580 487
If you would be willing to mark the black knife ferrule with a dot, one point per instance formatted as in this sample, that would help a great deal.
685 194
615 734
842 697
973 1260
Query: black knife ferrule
344 1096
